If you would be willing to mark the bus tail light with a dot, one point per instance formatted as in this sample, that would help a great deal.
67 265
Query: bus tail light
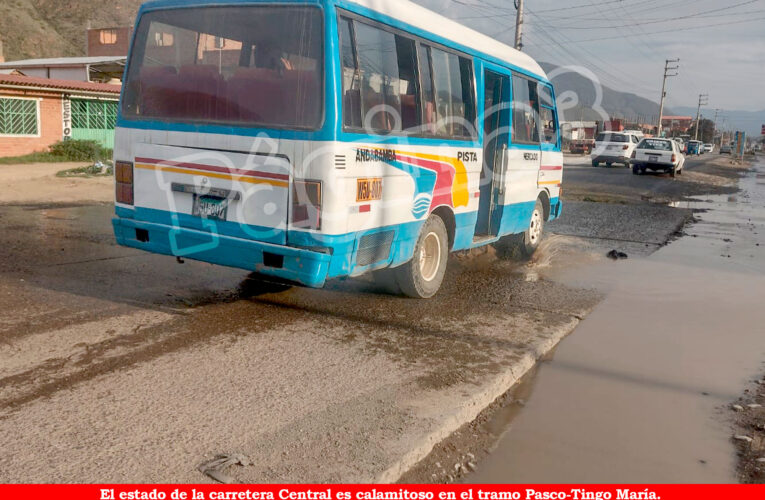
306 204
123 174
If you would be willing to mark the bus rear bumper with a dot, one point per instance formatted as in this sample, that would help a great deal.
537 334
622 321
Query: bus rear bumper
306 267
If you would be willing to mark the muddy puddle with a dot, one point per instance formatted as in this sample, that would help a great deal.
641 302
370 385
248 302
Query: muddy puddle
641 391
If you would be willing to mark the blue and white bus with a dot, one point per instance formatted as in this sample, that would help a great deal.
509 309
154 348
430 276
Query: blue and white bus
307 140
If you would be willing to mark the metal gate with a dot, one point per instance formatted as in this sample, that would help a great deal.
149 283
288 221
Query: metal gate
94 121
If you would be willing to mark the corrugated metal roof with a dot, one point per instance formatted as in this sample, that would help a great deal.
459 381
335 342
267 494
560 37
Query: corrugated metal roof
28 81
61 61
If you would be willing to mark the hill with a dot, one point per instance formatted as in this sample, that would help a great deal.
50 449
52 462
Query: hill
616 104
56 28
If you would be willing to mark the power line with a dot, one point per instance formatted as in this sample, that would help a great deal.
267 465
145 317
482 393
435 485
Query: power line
671 31
659 21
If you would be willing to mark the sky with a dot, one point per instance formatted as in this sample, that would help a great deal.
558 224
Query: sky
620 41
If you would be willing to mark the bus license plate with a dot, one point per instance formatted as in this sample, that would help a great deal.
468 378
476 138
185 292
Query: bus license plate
210 207
369 189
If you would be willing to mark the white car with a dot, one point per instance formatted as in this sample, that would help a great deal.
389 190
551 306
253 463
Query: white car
614 147
659 155
709 148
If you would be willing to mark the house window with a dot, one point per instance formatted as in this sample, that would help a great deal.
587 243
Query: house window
108 37
19 117
98 115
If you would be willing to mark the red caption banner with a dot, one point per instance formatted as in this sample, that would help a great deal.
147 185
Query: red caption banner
383 492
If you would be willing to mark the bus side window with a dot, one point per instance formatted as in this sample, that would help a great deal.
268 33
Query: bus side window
525 111
380 87
428 98
547 115
455 104
351 91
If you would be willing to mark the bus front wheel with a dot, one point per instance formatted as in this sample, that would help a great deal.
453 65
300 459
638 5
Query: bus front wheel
522 246
422 276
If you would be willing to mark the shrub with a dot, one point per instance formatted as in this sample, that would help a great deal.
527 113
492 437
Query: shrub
80 150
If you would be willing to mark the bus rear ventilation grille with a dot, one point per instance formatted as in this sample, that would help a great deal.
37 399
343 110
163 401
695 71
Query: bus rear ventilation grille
374 248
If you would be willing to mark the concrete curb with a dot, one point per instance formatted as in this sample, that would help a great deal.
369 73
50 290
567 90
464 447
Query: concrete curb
468 412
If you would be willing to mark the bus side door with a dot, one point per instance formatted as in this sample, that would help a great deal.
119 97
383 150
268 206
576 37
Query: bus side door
524 157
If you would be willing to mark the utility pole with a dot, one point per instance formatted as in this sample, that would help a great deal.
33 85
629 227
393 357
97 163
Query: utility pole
714 131
703 101
667 69
519 25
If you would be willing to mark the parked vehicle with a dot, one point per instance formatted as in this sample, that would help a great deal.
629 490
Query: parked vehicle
726 149
637 133
581 146
614 147
331 139
694 148
660 155
709 148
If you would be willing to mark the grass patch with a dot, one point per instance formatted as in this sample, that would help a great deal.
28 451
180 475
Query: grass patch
40 157
89 171
70 150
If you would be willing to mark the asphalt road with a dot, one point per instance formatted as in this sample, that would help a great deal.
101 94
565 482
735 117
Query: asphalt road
703 175
120 366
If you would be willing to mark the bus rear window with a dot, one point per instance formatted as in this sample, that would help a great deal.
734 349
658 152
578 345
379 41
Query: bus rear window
255 66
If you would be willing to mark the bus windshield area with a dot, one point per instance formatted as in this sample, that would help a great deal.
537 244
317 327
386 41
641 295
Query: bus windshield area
259 66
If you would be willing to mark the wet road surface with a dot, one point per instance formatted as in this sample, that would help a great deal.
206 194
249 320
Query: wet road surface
121 366
641 392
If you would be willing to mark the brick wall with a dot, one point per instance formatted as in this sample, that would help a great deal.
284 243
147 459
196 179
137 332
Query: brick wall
50 124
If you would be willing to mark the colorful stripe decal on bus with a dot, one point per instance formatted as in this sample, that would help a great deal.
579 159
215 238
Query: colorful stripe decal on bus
232 174
438 180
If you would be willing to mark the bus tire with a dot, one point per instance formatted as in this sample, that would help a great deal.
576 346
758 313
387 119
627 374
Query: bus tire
523 246
421 277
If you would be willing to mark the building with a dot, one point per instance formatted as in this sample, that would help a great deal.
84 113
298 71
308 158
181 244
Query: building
38 112
82 69
109 42
579 130
672 125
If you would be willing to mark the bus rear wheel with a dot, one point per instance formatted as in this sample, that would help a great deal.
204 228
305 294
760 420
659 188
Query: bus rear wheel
422 276
522 246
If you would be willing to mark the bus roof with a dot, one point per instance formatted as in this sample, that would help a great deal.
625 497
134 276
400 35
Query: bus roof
406 12
426 20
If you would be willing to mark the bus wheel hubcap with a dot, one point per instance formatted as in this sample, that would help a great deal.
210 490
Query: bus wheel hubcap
535 230
430 256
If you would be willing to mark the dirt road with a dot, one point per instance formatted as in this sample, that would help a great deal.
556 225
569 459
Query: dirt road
120 366
33 182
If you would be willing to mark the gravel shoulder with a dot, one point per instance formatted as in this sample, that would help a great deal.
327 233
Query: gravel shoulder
749 433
